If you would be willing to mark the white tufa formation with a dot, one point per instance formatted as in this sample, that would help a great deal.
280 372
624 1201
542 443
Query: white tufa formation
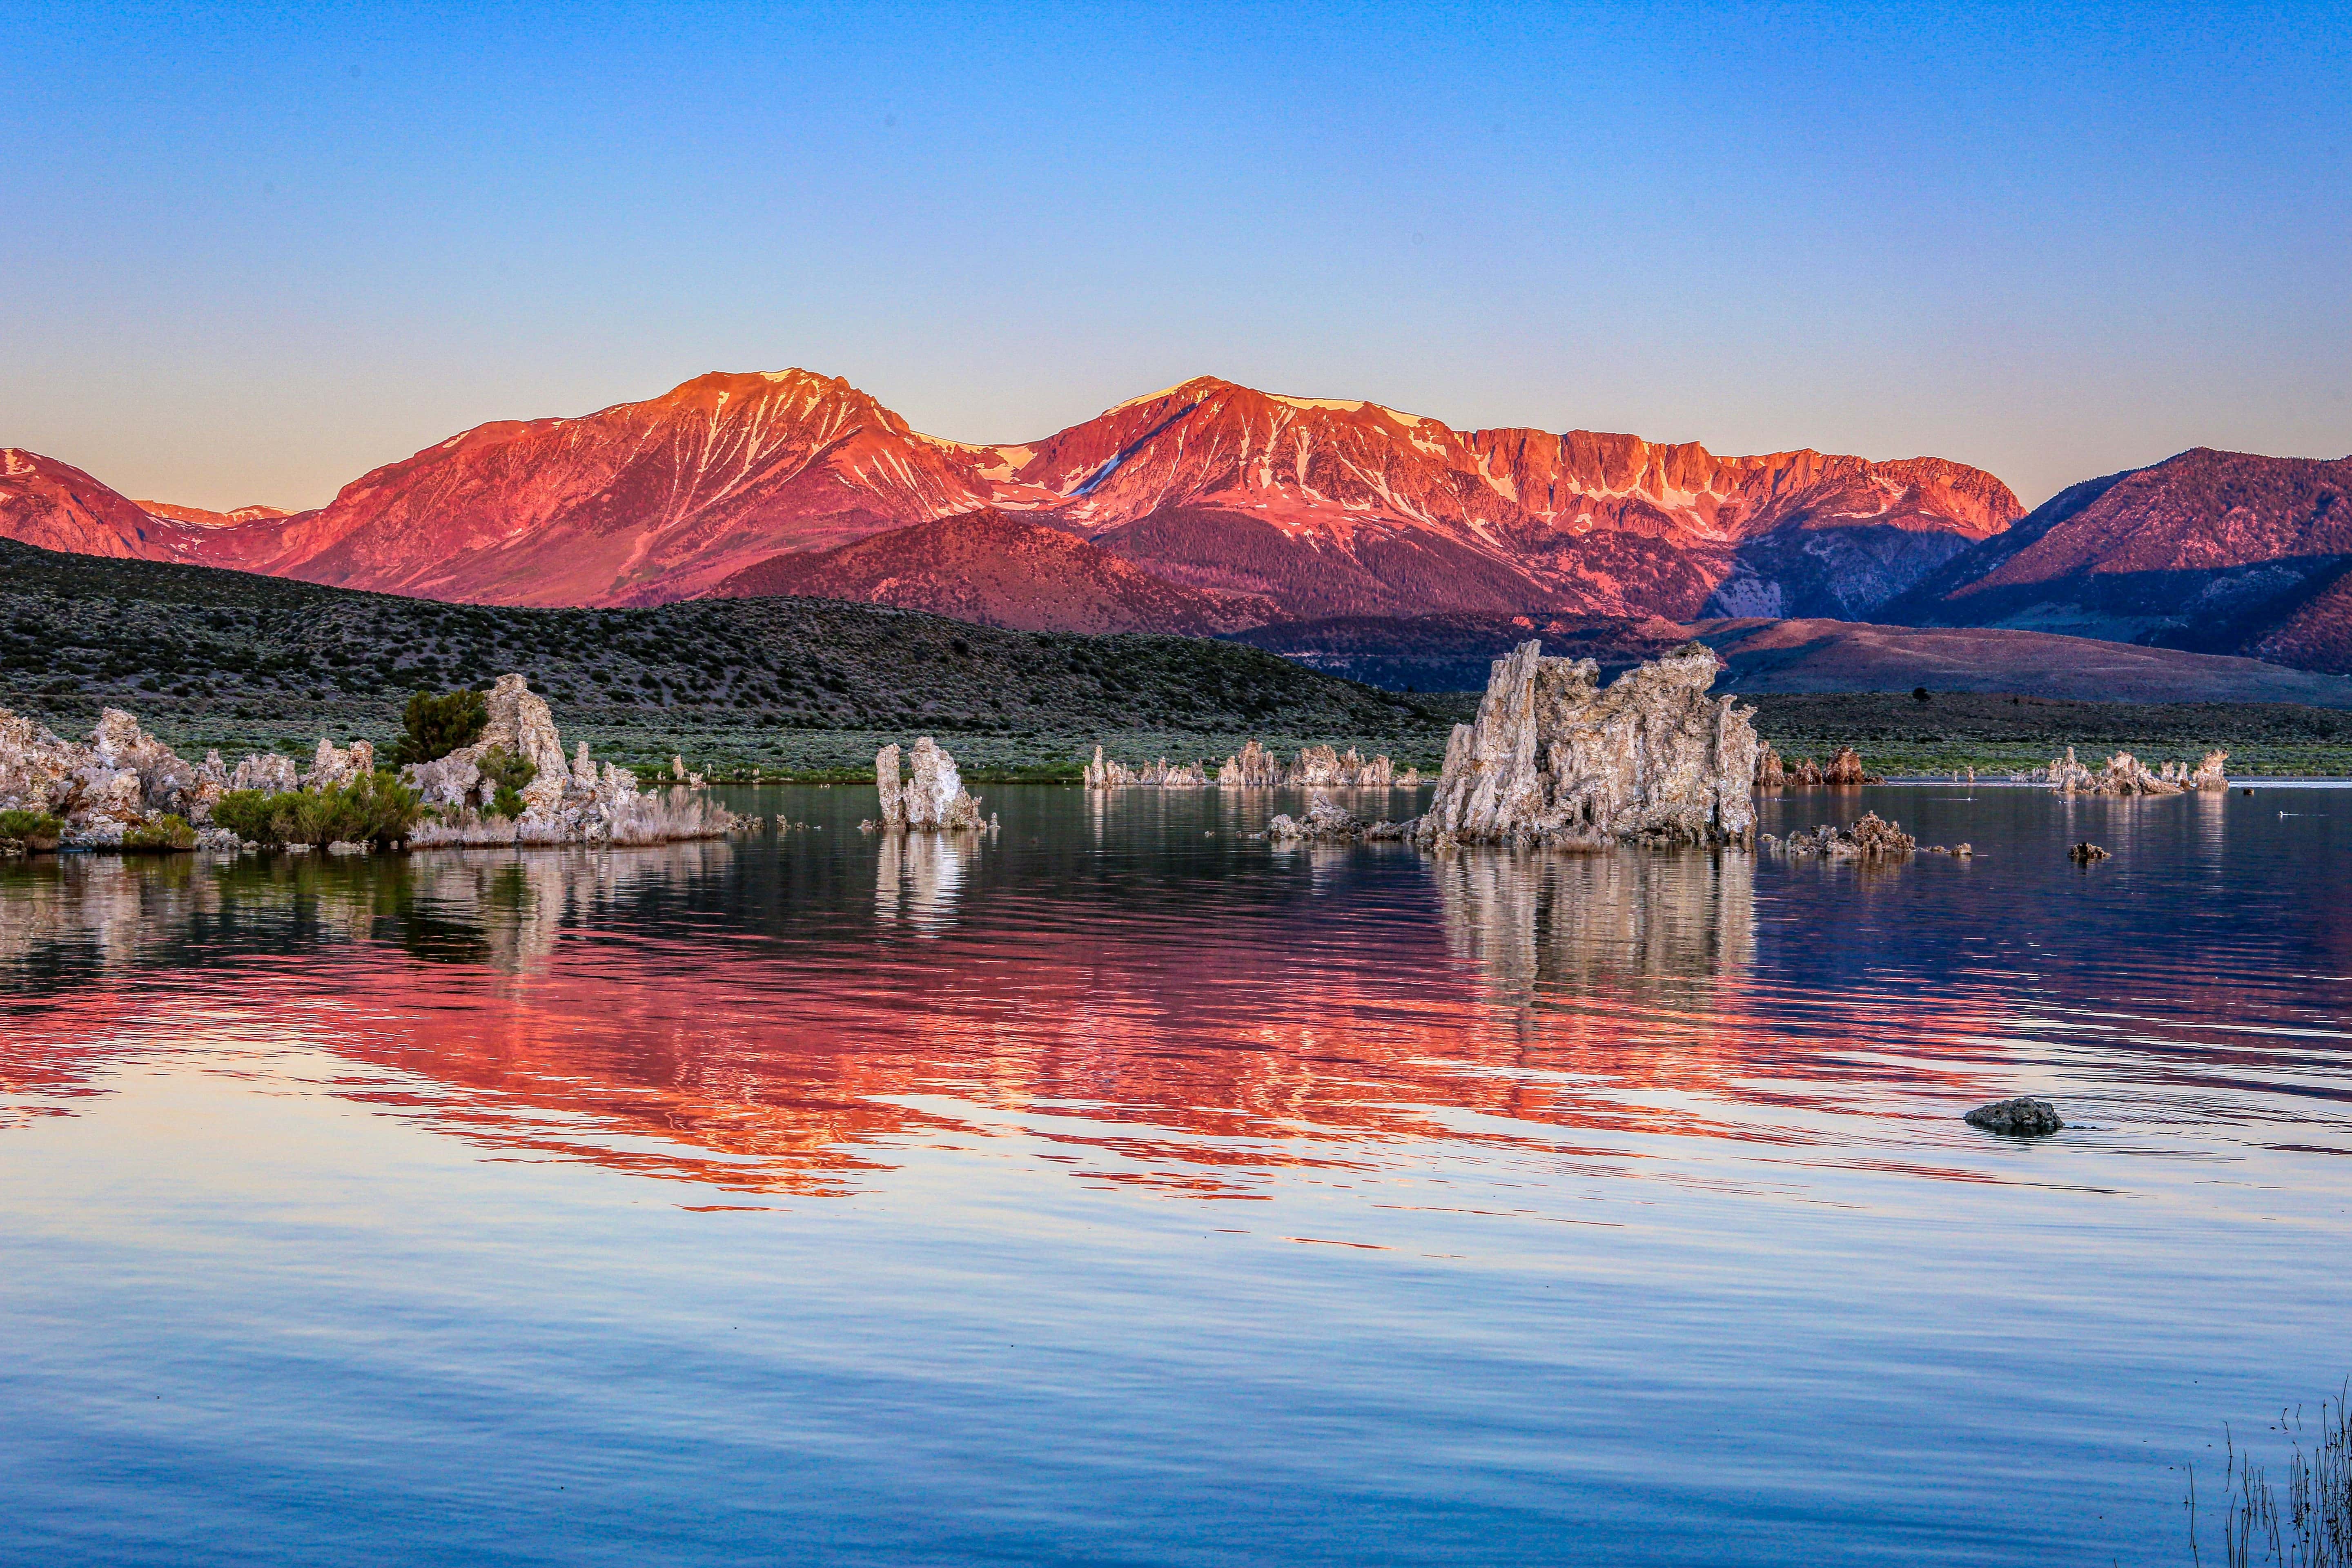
570 800
1555 758
2127 774
1254 767
123 778
932 800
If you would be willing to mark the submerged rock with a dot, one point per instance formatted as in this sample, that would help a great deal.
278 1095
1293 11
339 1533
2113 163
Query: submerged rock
1555 758
2084 853
1872 838
1331 822
2023 1117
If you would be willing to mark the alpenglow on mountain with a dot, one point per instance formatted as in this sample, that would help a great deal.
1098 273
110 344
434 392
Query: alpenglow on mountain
1240 502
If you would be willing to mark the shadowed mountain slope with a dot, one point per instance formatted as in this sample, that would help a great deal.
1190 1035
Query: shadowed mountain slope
985 567
2214 551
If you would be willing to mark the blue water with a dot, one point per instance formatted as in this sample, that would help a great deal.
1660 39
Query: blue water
1120 1190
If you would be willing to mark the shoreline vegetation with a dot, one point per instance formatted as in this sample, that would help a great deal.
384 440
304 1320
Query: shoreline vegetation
791 690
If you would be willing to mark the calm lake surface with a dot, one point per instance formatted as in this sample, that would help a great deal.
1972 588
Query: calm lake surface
1117 1190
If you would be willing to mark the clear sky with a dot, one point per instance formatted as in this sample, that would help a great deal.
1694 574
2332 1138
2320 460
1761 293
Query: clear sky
250 252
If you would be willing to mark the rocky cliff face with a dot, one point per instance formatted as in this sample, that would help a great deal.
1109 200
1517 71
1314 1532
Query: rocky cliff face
1555 758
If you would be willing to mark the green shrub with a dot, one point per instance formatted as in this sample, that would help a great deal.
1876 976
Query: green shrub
30 826
164 833
247 813
374 808
509 773
436 726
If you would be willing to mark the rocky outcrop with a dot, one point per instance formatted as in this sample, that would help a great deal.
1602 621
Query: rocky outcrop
2023 1117
2086 853
1328 822
334 766
886 784
1872 838
1555 758
265 771
2126 775
1844 770
1769 773
930 800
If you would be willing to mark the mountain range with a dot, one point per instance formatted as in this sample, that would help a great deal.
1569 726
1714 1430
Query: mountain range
1313 506
1211 507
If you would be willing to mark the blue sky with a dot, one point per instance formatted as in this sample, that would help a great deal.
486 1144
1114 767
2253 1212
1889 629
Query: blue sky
252 253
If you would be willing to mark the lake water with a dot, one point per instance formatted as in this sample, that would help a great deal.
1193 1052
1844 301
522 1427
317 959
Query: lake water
1118 1190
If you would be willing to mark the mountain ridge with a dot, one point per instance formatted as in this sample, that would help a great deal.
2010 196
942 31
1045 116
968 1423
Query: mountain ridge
1322 505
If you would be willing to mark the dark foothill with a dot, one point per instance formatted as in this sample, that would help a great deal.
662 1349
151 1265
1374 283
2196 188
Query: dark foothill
2022 1117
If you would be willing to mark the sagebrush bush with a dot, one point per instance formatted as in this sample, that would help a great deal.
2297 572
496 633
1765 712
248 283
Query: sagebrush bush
374 808
29 825
165 833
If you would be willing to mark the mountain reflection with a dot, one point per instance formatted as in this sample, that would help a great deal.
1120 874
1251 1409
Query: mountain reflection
1161 1006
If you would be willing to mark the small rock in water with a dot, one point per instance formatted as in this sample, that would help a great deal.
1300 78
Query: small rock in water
2085 852
2023 1117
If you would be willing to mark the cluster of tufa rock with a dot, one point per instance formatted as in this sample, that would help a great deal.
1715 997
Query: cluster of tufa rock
568 800
1328 822
1555 758
932 800
124 780
1254 767
2127 774
1872 838
1845 768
